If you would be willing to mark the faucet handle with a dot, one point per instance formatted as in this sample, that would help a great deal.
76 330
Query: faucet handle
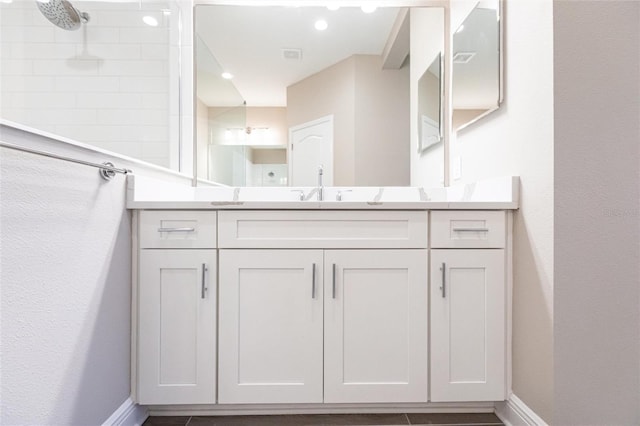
339 193
301 193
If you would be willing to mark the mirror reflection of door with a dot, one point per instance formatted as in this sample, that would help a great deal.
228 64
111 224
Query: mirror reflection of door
311 146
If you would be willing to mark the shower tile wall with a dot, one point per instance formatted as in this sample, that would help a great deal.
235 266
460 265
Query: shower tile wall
111 89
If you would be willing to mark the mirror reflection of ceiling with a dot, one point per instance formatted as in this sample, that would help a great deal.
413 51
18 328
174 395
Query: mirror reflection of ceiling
210 81
235 35
476 82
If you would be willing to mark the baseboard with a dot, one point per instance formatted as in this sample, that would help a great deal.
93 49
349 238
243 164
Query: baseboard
514 412
128 414
272 409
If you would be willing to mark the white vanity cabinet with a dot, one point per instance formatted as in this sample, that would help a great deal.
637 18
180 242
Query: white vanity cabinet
468 306
175 313
320 307
324 318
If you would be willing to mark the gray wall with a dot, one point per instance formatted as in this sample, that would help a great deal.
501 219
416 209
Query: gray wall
597 221
381 123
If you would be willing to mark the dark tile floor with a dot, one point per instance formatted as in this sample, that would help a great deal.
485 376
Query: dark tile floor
483 419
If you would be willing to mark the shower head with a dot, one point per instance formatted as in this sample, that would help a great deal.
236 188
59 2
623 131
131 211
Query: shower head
62 14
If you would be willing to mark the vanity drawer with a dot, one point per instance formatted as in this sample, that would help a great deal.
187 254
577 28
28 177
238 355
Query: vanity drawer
322 229
177 229
468 229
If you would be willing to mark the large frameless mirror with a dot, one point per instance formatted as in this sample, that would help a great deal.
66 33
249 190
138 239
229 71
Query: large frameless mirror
477 64
310 91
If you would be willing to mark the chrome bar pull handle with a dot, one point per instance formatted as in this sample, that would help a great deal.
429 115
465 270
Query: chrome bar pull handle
470 229
333 288
176 229
444 279
313 281
204 276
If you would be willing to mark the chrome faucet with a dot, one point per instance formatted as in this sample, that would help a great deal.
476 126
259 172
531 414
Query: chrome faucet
320 186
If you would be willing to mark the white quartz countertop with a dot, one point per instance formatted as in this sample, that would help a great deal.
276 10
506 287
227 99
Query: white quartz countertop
492 194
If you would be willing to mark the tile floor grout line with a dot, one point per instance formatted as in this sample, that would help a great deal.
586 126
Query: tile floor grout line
406 416
459 424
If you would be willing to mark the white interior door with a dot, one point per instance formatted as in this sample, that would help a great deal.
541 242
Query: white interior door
311 145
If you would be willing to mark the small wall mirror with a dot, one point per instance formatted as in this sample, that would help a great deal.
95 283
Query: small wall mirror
430 91
477 64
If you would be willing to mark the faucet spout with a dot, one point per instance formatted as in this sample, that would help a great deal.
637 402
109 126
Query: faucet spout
320 185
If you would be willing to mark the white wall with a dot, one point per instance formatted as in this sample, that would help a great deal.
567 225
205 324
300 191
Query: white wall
112 91
427 40
518 140
597 205
65 258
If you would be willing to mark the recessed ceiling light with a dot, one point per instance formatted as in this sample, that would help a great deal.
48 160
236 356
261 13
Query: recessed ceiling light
227 75
150 20
369 9
333 6
321 25
460 29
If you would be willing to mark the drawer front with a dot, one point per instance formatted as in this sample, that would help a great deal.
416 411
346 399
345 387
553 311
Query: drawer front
177 229
468 229
322 229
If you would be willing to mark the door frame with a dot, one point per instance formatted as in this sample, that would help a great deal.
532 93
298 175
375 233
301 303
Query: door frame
326 118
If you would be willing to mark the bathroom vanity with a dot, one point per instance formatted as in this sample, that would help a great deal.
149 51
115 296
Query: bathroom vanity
240 302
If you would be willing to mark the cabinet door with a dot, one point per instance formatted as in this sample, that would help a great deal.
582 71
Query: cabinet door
467 325
177 327
270 326
376 326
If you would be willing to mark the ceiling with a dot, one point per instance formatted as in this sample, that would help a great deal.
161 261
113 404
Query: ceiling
247 41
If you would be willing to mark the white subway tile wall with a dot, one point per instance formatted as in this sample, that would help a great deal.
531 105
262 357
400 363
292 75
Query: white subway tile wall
108 84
